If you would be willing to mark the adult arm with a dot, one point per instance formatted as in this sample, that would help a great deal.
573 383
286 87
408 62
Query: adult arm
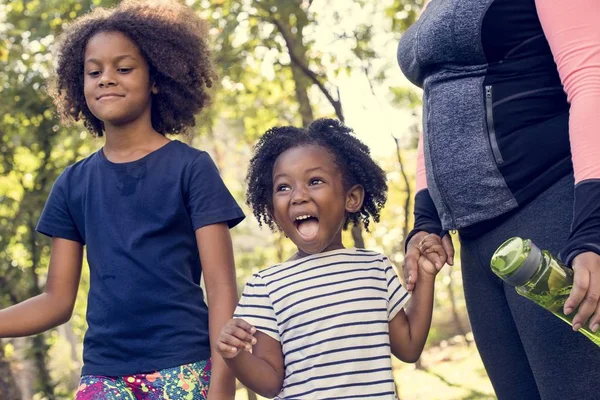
571 28
427 222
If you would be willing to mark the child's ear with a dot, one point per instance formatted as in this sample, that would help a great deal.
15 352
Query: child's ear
354 198
154 89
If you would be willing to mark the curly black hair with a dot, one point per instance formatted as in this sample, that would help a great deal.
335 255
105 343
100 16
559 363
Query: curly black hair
172 39
352 157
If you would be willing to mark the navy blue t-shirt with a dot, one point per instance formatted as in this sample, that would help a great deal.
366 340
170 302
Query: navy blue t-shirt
137 220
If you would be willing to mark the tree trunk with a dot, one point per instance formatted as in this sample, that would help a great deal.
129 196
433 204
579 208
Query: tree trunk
408 192
8 386
301 87
44 384
455 314
39 347
66 331
25 373
290 23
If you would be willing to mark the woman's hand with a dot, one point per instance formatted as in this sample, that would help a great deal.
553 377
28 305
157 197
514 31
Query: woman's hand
586 291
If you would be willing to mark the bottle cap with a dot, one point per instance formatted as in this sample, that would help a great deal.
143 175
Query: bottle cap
516 261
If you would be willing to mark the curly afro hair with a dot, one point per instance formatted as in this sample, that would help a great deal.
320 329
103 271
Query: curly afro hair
352 157
172 39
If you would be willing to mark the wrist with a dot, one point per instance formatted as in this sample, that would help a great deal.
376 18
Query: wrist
417 237
427 276
221 392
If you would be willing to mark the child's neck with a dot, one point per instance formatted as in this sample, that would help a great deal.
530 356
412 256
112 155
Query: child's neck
333 246
131 142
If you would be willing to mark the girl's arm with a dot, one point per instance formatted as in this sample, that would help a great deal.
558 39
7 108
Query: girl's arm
261 370
55 305
408 330
216 255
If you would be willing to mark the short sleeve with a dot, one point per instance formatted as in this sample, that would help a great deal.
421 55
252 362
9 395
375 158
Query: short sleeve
255 307
56 219
208 199
397 294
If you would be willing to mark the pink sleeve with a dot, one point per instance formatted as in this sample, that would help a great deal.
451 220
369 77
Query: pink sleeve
421 177
572 28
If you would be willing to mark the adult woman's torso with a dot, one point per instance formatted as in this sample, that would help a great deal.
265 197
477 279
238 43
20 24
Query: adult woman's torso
495 114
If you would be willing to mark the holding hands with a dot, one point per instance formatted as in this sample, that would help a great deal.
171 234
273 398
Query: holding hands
426 253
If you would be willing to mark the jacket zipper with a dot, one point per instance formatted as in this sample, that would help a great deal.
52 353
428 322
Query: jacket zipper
489 110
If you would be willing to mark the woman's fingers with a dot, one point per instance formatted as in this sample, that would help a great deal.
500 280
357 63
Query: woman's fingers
585 294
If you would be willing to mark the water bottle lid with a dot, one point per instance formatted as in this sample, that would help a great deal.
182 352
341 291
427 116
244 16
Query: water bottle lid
516 261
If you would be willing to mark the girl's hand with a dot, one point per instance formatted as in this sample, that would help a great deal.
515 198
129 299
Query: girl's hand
438 251
586 291
433 255
427 268
425 245
235 336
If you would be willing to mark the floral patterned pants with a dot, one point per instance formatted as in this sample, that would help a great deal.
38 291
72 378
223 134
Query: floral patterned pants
186 382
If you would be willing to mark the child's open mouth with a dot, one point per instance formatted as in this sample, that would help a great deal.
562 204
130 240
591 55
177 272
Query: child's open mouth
307 226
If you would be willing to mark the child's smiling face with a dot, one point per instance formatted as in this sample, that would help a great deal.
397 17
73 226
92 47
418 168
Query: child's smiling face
309 199
117 85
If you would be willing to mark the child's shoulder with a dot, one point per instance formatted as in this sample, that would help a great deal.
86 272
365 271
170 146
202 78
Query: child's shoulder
186 153
81 167
372 257
368 252
184 148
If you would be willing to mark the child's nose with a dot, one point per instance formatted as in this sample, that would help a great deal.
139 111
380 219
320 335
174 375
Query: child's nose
106 80
299 195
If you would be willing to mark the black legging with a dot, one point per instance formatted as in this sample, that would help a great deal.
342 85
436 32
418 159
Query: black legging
528 353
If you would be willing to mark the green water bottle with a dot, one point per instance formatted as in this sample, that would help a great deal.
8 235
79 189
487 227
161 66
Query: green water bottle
538 276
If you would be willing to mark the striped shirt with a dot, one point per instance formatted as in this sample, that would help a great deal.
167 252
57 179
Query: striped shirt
330 312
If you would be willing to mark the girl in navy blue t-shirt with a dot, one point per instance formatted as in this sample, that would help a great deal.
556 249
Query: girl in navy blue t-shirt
153 214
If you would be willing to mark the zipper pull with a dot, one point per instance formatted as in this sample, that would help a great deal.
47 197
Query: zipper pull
488 92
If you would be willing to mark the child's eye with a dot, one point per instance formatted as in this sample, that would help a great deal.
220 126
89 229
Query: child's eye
283 188
316 181
94 73
124 70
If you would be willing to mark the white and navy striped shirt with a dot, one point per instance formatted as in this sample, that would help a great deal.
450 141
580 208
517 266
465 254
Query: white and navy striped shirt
330 312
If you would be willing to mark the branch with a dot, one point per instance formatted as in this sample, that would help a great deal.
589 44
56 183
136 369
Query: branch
366 70
407 185
337 105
